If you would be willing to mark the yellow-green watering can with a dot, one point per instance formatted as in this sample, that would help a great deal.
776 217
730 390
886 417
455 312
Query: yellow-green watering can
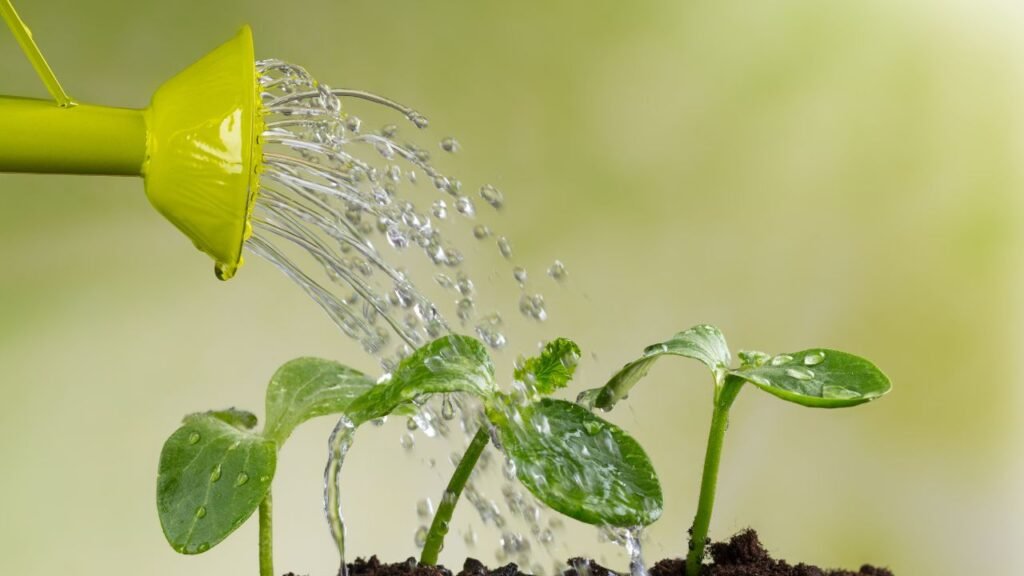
195 146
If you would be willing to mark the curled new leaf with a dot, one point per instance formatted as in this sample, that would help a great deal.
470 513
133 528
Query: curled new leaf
579 464
818 378
305 388
553 369
213 474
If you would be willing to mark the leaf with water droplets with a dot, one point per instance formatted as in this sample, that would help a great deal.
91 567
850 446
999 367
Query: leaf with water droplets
553 369
305 388
449 364
579 464
199 498
703 342
818 378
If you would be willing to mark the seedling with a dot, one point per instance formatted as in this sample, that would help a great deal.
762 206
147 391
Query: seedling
556 449
215 471
817 377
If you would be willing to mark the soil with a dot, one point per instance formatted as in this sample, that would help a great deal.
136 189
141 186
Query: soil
742 555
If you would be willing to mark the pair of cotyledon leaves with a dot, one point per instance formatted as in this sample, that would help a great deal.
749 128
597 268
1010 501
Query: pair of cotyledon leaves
216 469
818 377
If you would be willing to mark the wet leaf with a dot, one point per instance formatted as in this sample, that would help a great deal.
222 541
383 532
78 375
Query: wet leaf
818 378
305 388
553 369
703 342
448 364
212 476
579 464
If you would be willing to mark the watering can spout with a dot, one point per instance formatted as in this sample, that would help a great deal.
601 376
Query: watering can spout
196 146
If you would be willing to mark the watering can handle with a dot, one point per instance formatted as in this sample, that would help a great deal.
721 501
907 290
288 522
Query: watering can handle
35 56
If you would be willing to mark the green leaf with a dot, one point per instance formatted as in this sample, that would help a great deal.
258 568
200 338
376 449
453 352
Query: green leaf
703 342
818 378
212 476
305 388
448 364
579 464
553 369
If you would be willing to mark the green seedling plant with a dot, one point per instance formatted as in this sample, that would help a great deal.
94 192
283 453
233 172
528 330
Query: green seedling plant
216 470
818 378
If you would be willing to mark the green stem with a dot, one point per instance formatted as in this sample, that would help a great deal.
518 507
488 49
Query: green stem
724 396
443 517
266 537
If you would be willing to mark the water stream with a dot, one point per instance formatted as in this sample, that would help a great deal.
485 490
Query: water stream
340 209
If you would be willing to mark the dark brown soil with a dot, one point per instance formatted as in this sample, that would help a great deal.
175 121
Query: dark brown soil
742 555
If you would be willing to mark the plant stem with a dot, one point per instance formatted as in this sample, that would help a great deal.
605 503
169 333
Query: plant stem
724 396
266 537
443 517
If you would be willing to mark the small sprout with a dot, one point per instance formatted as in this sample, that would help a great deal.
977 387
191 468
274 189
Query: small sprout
215 470
818 378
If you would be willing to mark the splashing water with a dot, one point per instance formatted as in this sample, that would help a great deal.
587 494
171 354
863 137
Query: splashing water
344 196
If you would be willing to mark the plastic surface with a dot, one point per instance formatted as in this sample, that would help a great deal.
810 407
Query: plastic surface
39 136
200 173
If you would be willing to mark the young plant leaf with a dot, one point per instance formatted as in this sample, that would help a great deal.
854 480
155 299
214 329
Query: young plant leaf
579 464
819 378
449 364
305 388
213 474
703 342
553 369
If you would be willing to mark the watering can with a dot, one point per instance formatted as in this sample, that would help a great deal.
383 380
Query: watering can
195 146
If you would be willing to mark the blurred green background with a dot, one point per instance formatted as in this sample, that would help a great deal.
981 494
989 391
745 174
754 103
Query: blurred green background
800 173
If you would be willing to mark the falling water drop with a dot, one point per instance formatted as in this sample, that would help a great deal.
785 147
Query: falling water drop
450 144
557 271
505 247
492 196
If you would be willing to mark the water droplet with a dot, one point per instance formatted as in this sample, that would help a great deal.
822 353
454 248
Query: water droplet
814 358
753 358
440 209
480 231
407 440
464 284
519 273
201 512
353 124
799 373
533 307
492 196
202 547
505 247
781 359
193 438
215 474
464 309
447 407
389 131
557 271
469 537
833 391
421 536
241 479
425 508
450 144
465 206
